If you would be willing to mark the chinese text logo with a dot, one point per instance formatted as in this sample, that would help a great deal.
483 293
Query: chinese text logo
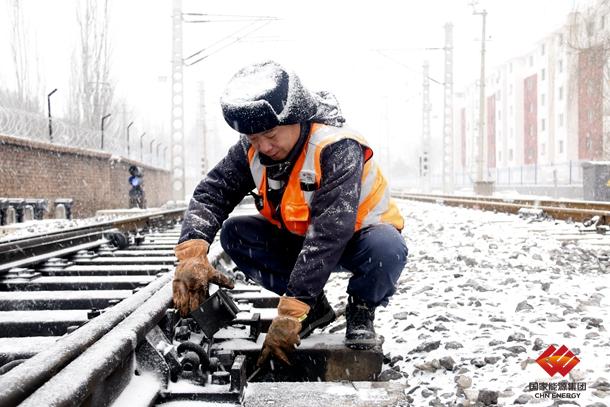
555 360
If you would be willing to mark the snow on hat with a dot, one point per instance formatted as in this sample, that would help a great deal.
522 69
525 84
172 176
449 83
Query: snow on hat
264 95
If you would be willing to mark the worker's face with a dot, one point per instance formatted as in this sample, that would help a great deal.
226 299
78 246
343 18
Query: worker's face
277 142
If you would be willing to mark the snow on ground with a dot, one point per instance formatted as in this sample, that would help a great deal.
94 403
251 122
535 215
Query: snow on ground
483 295
36 227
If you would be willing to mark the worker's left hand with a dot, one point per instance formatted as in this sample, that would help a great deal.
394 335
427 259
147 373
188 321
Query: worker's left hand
283 334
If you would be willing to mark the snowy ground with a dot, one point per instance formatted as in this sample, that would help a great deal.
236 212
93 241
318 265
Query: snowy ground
482 297
36 227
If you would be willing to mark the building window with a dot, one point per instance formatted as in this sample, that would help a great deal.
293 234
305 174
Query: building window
531 59
542 99
560 146
561 93
510 110
542 148
542 49
560 39
499 115
531 108
532 131
499 155
602 22
510 67
590 116
543 124
510 154
588 141
510 90
561 120
543 74
560 66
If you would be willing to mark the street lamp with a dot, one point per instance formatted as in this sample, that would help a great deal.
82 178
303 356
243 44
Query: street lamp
151 144
50 119
102 128
128 127
141 148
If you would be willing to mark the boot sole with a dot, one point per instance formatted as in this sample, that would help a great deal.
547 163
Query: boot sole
325 320
364 344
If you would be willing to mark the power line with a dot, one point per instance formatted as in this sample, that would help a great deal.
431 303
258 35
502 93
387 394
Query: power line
237 39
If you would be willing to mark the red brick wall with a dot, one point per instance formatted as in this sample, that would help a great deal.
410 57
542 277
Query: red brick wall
590 103
491 131
95 180
530 120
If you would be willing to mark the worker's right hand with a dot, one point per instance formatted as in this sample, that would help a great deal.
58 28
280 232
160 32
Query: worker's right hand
193 275
283 334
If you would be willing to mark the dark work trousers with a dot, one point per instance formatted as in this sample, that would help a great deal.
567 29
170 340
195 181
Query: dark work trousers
376 255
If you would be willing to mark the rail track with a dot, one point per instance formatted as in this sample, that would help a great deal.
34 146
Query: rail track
596 213
86 319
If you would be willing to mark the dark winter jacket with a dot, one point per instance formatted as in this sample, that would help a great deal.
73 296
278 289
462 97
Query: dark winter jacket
333 212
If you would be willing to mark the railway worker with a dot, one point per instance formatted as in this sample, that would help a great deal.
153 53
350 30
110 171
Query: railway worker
324 206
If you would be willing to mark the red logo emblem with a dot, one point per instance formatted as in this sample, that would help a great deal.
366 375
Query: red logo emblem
555 360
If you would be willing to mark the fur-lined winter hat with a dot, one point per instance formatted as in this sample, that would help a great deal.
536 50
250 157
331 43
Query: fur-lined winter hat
262 96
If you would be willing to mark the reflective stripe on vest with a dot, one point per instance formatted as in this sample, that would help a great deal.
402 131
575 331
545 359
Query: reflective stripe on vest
375 204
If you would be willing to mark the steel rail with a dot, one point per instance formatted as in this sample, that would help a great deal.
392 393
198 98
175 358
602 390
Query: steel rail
75 366
32 246
555 209
77 381
21 381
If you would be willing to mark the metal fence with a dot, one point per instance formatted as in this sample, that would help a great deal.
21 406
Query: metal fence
567 173
38 127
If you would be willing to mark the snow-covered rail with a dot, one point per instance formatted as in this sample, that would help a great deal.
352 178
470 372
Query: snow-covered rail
71 296
580 211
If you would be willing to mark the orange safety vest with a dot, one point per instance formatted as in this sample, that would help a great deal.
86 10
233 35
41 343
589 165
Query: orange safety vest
375 204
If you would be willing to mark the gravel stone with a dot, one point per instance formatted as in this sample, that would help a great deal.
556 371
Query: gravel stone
488 397
516 337
463 381
426 347
401 315
478 362
524 306
389 374
523 399
447 362
453 345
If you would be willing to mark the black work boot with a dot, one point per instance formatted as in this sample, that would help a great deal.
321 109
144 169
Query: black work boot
360 332
320 315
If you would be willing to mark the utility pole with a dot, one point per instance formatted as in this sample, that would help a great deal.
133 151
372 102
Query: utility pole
424 159
177 114
481 185
448 182
204 130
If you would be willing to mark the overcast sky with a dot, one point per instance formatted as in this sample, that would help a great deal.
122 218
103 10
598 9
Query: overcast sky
369 53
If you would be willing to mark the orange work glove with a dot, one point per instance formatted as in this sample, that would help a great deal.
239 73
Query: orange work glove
193 275
283 334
